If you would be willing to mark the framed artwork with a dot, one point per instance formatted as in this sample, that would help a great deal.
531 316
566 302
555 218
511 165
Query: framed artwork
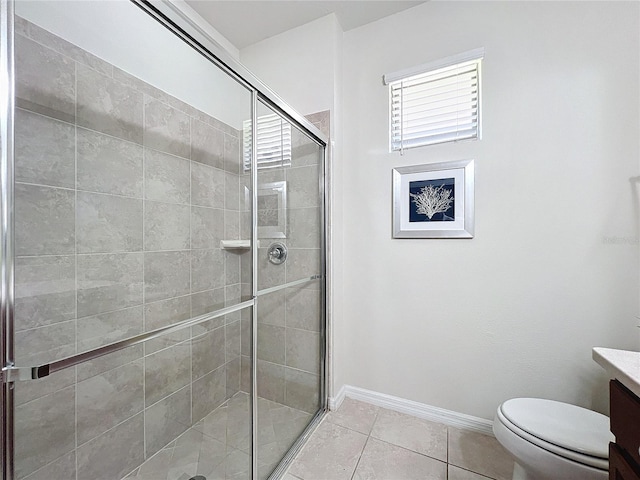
272 210
433 200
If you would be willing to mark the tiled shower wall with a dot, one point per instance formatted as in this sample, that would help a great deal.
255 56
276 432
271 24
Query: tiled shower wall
123 194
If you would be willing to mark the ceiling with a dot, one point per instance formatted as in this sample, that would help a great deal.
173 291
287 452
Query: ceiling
245 22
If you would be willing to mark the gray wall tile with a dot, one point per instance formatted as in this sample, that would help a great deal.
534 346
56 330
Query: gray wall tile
245 373
45 290
271 381
232 158
207 144
232 196
113 454
44 220
209 392
303 308
233 372
107 223
303 350
163 313
232 225
207 227
166 275
303 187
231 267
167 419
302 263
108 106
304 228
27 391
139 84
44 150
45 430
106 400
233 342
207 269
45 80
109 282
45 342
109 165
207 302
61 468
271 343
207 186
208 352
99 330
166 177
166 226
165 128
302 390
49 336
245 335
166 371
271 308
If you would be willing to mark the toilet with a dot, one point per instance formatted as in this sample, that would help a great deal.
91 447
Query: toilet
552 440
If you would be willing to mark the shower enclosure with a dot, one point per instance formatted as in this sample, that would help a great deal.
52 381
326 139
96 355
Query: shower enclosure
163 266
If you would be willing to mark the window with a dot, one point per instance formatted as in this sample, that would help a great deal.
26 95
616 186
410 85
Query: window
437 102
274 142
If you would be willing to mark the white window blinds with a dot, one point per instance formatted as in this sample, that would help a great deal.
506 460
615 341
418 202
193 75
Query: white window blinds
274 142
435 103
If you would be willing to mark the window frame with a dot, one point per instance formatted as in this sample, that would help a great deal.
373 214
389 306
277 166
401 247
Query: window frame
392 79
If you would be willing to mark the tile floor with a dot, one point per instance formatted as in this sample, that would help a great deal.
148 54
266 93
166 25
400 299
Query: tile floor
218 446
360 441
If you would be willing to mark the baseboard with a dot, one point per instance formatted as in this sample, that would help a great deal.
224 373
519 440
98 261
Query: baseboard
335 402
416 409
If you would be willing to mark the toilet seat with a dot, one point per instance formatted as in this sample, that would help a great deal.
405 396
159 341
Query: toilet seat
568 431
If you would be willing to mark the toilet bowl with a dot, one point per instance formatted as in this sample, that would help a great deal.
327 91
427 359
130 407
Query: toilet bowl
552 440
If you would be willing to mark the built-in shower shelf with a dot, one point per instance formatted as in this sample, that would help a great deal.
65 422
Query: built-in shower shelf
235 244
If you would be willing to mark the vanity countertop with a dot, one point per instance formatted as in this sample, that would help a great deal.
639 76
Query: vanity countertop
623 365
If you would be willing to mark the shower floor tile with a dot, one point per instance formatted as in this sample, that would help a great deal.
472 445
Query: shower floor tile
218 447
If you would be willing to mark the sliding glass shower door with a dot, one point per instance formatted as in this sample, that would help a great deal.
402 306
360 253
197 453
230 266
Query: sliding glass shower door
162 253
290 283
128 176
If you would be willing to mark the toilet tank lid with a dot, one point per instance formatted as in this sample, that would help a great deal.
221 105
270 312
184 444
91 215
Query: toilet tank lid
568 426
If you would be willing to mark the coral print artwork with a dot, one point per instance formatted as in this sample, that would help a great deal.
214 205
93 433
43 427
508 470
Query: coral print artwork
432 200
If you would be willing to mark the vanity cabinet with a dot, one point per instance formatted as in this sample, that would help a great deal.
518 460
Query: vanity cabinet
624 454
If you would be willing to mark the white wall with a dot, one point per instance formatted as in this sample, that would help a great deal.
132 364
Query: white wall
553 268
299 65
122 34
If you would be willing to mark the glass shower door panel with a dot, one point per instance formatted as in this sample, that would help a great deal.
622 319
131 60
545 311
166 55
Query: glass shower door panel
128 190
289 331
289 369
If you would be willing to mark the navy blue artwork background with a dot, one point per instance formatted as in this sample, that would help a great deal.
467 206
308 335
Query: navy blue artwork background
415 187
